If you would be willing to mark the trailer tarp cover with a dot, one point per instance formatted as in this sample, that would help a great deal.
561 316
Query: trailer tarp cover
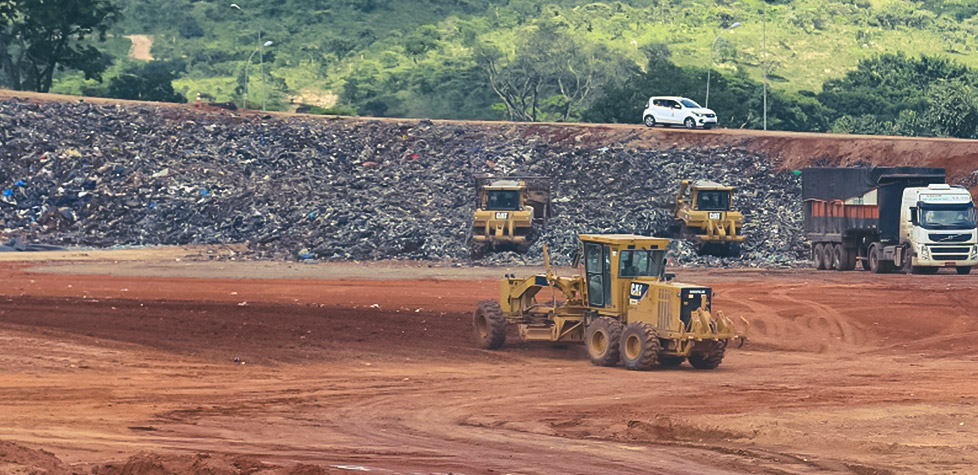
845 183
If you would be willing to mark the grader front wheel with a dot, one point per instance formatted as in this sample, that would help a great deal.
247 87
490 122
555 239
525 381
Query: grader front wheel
603 340
639 346
490 325
711 359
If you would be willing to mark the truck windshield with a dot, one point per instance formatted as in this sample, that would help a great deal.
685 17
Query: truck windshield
713 200
503 200
640 262
947 216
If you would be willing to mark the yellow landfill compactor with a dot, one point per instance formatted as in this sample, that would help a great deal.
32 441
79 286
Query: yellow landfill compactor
508 210
622 306
705 215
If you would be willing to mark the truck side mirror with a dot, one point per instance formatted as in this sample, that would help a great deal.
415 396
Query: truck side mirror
913 216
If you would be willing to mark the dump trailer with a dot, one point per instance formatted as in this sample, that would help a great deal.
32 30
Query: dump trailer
509 211
886 219
623 306
704 213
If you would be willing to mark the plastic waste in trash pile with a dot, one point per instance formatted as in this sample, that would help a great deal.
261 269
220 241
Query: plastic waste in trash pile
80 174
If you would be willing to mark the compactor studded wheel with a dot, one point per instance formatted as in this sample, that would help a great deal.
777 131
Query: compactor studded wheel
639 346
603 340
710 359
490 324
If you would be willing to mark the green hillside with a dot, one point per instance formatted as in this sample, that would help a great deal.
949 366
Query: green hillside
420 57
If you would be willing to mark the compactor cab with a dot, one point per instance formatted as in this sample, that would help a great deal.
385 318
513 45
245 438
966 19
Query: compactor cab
704 213
507 210
622 305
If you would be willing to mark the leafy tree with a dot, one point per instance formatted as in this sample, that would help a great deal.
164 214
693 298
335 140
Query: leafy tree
953 109
549 70
40 37
152 81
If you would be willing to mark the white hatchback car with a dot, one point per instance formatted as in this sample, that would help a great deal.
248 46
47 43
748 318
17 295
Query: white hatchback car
669 110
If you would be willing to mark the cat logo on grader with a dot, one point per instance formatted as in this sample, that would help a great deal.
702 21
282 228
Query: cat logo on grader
623 307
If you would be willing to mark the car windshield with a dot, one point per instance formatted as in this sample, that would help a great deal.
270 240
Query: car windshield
713 200
639 262
503 200
947 217
689 103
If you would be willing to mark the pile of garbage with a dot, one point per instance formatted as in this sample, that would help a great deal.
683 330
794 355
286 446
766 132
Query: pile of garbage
83 174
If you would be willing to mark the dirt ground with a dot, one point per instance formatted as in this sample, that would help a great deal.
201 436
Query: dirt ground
165 361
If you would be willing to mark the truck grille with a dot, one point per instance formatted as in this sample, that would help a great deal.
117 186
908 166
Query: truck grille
949 250
949 237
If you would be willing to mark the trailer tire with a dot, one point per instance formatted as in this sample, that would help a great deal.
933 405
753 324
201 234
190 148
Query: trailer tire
850 258
817 256
639 346
710 359
963 270
838 260
489 324
603 341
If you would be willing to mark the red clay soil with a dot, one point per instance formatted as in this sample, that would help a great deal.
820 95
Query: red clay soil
844 373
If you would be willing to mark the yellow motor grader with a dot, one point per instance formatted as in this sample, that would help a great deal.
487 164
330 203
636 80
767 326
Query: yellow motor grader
703 214
623 307
507 210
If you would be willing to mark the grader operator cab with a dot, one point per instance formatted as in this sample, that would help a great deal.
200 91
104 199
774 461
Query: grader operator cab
623 307
705 215
507 210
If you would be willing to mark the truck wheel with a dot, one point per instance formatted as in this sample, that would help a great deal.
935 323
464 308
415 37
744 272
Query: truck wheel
838 260
817 256
710 359
603 340
963 270
925 270
639 346
877 265
850 255
671 361
490 324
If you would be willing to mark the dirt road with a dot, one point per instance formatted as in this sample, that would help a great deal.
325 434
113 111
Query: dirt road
141 48
339 367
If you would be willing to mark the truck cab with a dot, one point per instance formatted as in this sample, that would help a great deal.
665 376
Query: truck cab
938 228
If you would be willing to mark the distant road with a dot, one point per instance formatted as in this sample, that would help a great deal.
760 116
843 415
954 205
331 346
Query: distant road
141 46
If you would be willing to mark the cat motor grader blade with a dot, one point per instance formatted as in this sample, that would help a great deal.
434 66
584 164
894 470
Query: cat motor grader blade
704 214
622 306
508 209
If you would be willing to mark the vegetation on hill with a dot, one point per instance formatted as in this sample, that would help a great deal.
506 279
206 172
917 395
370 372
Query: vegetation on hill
571 59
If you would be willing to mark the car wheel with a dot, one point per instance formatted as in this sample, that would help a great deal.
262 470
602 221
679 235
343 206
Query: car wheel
649 121
689 123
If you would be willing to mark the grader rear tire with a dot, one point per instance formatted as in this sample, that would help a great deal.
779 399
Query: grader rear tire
639 346
603 339
710 359
490 324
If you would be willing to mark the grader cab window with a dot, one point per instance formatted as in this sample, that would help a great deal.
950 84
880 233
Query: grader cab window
713 200
503 200
597 266
641 263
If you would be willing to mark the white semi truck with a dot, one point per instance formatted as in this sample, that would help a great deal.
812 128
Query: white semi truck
887 219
